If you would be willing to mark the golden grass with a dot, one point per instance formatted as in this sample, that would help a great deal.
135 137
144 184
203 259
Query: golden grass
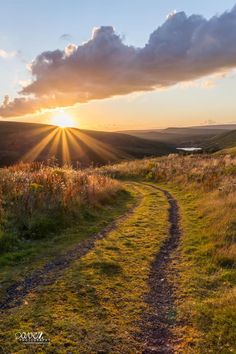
36 199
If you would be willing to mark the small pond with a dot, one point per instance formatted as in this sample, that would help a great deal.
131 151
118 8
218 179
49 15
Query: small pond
190 149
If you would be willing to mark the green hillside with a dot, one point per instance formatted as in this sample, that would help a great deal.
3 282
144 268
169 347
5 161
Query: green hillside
230 151
223 141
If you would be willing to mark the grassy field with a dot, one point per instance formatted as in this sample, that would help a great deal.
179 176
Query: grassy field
36 199
46 211
205 187
96 305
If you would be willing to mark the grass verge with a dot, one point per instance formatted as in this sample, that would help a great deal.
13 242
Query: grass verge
207 284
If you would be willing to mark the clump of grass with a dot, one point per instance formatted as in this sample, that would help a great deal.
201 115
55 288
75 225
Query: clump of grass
37 199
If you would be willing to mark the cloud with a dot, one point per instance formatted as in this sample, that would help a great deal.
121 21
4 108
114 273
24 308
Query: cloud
208 82
181 50
6 55
66 37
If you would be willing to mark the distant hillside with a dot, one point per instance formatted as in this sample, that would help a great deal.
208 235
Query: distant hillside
180 137
223 141
28 141
230 151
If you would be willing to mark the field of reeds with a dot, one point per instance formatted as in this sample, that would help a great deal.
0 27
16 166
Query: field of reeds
205 187
38 199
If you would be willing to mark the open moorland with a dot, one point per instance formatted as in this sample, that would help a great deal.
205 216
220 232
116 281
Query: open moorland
136 257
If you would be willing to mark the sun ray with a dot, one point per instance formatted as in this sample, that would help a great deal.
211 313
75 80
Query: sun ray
66 158
41 130
54 148
102 150
38 148
78 150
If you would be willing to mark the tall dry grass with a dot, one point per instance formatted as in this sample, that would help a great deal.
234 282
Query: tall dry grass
36 199
208 172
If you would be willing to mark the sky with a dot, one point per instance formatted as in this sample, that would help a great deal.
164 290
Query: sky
112 74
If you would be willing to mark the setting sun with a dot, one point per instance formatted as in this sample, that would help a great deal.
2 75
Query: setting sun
62 119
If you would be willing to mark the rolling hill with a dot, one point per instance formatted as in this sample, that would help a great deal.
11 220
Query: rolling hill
223 141
186 136
30 142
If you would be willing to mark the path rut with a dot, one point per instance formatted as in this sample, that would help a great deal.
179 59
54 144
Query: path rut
158 321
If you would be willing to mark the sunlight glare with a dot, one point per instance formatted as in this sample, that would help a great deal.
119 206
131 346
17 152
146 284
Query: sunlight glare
62 119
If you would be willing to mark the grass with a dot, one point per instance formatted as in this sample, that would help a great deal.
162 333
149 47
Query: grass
36 200
229 151
96 306
45 236
206 288
16 265
205 187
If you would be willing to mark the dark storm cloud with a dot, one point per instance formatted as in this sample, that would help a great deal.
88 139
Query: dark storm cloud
182 49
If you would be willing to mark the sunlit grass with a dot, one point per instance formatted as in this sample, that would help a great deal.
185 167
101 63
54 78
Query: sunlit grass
96 305
35 198
205 187
99 300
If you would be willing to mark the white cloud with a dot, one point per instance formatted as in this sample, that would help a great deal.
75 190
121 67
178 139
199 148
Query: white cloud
4 54
183 49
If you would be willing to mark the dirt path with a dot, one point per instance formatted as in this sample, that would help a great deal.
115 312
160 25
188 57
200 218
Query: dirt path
157 323
47 275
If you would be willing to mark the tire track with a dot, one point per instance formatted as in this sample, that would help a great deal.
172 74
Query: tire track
157 323
51 271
